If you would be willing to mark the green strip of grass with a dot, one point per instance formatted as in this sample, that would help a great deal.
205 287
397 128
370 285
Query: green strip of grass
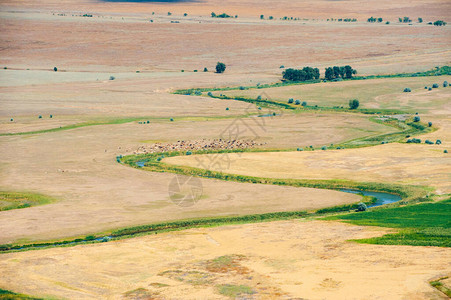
15 200
440 286
426 224
438 71
8 295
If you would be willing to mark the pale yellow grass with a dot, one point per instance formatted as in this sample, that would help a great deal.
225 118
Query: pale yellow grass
79 168
392 163
310 260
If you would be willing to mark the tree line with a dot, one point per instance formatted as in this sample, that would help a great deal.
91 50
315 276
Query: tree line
308 73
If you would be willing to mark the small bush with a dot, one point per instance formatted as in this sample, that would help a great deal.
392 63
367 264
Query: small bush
429 89
425 87
416 119
210 94
438 142
40 117
259 97
407 90
429 124
227 108
297 102
198 93
182 71
323 148
12 120
189 152
220 67
205 70
171 119
362 207
445 151
290 100
112 77
429 142
304 103
435 86
195 71
354 104
299 149
445 83
55 69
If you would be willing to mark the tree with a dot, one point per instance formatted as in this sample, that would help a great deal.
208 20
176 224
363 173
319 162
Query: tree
262 17
205 69
329 74
220 67
185 14
213 15
420 20
379 20
336 71
354 104
55 69
349 71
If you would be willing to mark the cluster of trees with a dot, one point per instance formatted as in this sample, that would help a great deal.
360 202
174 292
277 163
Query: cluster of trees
223 15
339 72
307 73
374 20
439 23
405 20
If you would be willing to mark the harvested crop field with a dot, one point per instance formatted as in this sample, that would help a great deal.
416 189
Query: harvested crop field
194 264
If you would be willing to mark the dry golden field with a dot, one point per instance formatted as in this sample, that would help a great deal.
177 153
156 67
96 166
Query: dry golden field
275 260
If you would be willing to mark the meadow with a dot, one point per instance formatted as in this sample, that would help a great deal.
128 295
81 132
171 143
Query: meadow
87 211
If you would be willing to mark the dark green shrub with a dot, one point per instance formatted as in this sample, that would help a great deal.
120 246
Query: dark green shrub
242 88
185 14
282 67
259 97
90 238
290 100
210 94
445 83
387 22
171 119
304 103
148 122
299 149
438 142
189 152
407 90
112 77
416 119
429 142
169 13
262 17
362 207
429 124
435 86
227 108
323 148
425 87
12 120
182 71
205 70
55 69
195 71
220 67
445 151
429 89
354 104
297 102
198 93
40 117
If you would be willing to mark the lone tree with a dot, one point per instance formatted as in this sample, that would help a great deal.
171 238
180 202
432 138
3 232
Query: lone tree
55 69
220 67
354 104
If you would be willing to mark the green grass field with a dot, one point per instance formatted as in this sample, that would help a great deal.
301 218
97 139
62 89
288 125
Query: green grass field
426 224
15 200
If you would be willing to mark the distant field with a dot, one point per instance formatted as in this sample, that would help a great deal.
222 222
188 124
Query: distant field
375 93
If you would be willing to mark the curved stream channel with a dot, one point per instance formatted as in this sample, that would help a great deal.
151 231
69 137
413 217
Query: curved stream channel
382 198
